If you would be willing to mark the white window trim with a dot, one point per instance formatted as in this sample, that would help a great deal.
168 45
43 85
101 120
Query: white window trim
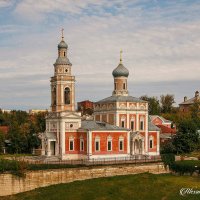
81 141
71 140
97 140
121 140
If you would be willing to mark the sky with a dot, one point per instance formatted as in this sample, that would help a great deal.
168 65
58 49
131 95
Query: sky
160 40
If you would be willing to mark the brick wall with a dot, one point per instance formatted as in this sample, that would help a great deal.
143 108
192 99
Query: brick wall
10 184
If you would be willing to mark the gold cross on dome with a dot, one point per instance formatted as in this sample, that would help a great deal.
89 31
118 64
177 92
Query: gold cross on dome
121 55
62 32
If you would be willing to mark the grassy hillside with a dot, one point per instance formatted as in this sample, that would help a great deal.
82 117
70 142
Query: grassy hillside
132 187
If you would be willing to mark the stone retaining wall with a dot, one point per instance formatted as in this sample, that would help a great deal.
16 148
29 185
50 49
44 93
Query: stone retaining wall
10 184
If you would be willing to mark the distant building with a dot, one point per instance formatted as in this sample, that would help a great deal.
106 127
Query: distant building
4 129
5 111
187 103
85 107
167 127
159 120
32 112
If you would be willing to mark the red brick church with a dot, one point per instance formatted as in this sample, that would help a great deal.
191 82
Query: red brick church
121 125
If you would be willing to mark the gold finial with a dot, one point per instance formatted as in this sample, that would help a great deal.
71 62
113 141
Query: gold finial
121 56
62 32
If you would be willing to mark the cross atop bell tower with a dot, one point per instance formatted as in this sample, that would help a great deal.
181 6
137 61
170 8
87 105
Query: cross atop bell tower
62 32
62 83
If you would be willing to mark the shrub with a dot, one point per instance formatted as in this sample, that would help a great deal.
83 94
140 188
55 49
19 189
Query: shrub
168 159
13 166
186 166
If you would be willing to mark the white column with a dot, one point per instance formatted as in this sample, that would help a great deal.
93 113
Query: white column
128 143
133 147
43 144
146 133
143 150
137 122
62 137
73 96
58 140
117 119
158 142
48 148
62 97
128 120
90 143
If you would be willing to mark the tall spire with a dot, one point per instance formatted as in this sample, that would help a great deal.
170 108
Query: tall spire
62 33
121 56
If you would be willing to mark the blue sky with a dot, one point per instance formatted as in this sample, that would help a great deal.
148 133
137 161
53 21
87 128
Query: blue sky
160 41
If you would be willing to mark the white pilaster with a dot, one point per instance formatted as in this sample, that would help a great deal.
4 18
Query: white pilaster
158 142
62 96
128 143
62 137
146 133
128 120
137 122
90 143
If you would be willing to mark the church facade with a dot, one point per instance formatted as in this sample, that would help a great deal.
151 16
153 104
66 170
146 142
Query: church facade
121 125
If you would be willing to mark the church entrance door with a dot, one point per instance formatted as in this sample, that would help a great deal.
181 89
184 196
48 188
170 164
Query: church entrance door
52 147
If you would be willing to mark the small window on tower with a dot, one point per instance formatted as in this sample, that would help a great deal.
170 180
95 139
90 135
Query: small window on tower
124 86
67 95
54 96
115 86
64 53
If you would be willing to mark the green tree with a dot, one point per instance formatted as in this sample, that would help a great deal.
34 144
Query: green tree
167 102
187 139
2 139
154 105
195 113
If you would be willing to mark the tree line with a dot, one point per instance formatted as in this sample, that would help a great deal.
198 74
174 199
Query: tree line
23 131
187 138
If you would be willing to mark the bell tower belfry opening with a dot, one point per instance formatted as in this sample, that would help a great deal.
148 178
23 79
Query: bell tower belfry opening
62 83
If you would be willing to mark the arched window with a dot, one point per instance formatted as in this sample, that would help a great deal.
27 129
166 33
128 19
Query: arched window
121 143
142 123
64 53
109 143
67 95
124 86
54 96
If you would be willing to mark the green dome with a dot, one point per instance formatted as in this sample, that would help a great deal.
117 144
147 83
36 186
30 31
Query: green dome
62 44
120 70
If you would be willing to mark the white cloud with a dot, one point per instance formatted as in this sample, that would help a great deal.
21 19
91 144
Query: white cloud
157 48
6 3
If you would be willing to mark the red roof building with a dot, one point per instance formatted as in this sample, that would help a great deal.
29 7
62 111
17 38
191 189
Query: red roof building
4 129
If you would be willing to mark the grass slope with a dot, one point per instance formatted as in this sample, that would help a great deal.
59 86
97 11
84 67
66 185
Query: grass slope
131 187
